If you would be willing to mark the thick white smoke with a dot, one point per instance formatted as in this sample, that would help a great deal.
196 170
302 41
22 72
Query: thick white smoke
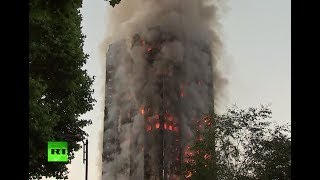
186 36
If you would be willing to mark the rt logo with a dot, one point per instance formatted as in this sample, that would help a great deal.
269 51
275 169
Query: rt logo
57 151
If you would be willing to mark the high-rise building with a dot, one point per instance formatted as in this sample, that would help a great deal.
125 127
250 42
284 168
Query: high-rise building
155 96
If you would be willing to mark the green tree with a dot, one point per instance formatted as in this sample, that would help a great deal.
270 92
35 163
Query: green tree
276 155
59 89
113 2
240 144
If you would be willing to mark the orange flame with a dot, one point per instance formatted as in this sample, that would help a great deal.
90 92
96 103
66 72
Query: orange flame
189 174
165 126
157 125
149 128
170 127
206 156
142 110
206 119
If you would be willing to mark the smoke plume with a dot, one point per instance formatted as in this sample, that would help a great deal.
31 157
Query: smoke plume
162 58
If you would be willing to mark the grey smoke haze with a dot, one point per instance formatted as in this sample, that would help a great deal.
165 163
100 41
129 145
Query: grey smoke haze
186 33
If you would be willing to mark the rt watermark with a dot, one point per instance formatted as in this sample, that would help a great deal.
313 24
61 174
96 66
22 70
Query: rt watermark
57 151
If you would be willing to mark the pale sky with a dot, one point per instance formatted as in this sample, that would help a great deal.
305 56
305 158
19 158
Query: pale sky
257 40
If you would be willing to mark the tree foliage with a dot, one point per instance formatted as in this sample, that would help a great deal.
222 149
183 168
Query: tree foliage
241 144
113 2
59 89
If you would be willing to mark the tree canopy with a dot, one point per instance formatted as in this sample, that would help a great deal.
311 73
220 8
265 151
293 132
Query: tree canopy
240 144
59 88
113 2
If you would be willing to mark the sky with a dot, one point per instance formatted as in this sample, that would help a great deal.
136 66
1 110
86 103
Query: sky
257 62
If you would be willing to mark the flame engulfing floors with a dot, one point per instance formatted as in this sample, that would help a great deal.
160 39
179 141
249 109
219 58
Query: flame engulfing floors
154 99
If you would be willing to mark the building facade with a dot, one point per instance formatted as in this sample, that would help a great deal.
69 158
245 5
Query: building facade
157 88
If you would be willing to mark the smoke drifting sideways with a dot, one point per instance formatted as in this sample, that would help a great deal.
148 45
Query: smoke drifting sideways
186 36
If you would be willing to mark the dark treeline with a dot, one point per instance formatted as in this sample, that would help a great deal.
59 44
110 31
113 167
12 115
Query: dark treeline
239 145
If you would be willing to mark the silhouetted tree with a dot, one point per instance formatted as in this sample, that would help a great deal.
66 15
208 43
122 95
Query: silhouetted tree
59 88
113 2
240 144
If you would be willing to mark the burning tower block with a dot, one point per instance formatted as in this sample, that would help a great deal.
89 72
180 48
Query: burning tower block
157 88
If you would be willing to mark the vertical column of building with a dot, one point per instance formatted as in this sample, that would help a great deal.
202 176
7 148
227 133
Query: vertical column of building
161 129
111 144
